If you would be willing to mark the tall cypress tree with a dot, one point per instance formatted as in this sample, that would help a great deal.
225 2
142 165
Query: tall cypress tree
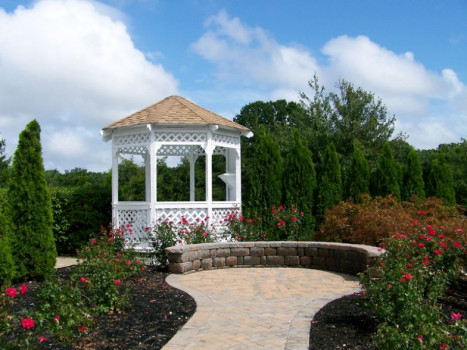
357 176
413 183
386 176
300 180
265 175
330 180
440 180
30 208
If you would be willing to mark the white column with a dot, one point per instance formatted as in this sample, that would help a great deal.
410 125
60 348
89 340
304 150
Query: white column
192 160
238 176
208 150
114 184
152 177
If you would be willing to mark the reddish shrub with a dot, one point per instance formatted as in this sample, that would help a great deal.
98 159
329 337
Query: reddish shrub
375 219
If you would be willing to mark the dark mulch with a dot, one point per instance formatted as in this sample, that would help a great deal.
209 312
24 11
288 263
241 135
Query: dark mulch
349 323
157 311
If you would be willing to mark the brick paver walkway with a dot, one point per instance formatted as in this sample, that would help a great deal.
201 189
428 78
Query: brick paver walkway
256 308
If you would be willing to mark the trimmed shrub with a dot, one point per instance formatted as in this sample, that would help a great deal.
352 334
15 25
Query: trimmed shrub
30 208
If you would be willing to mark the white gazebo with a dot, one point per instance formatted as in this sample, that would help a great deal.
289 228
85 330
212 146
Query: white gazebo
175 126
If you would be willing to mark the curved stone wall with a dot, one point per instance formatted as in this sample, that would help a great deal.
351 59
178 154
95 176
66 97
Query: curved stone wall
338 257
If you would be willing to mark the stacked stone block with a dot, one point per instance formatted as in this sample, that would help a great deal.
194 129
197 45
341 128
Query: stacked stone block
338 257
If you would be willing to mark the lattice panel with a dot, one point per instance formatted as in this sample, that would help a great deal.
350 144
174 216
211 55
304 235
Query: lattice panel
180 136
137 218
133 149
219 216
175 215
179 150
226 139
131 139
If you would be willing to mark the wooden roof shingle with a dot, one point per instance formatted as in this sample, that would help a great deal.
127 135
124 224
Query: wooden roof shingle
175 110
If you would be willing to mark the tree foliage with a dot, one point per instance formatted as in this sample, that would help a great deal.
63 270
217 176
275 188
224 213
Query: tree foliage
440 181
330 180
413 184
30 208
7 267
386 176
357 179
4 164
265 176
299 181
345 116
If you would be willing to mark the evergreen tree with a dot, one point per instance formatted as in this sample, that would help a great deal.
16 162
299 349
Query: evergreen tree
265 176
386 176
413 183
4 164
440 181
330 182
300 181
357 176
30 208
7 267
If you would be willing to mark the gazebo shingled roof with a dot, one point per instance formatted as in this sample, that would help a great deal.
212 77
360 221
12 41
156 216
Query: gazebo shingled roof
175 110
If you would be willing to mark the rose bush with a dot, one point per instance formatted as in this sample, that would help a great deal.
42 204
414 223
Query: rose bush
406 283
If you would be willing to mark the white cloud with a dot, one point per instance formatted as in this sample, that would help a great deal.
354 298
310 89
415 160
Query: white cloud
430 106
251 56
72 65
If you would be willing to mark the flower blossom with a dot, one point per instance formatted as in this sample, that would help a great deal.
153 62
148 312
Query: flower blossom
27 323
456 316
23 289
11 291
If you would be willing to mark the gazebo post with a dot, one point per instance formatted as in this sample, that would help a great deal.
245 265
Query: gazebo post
114 183
152 176
192 160
238 175
208 151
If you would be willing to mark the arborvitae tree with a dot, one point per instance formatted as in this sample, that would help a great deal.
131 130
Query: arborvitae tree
7 267
330 180
30 208
265 177
4 163
300 181
386 176
440 181
357 176
413 183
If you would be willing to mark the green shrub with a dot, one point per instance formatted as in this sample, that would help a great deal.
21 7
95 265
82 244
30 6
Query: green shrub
239 228
62 309
30 209
405 284
168 233
105 264
7 266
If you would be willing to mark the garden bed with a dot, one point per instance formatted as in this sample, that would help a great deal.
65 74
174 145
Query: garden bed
157 311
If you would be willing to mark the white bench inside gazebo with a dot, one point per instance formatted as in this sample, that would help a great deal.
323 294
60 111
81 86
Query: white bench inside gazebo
175 126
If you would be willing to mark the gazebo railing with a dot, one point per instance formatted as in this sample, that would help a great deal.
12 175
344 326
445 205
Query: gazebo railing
138 214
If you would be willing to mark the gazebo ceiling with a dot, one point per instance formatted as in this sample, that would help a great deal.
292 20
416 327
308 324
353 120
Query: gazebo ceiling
175 110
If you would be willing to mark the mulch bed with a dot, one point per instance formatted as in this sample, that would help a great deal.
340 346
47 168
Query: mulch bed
157 311
349 323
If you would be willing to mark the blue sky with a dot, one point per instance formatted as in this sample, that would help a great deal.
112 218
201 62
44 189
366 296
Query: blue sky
77 65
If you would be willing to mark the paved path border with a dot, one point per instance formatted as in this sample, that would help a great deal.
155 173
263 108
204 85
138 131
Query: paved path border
256 308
